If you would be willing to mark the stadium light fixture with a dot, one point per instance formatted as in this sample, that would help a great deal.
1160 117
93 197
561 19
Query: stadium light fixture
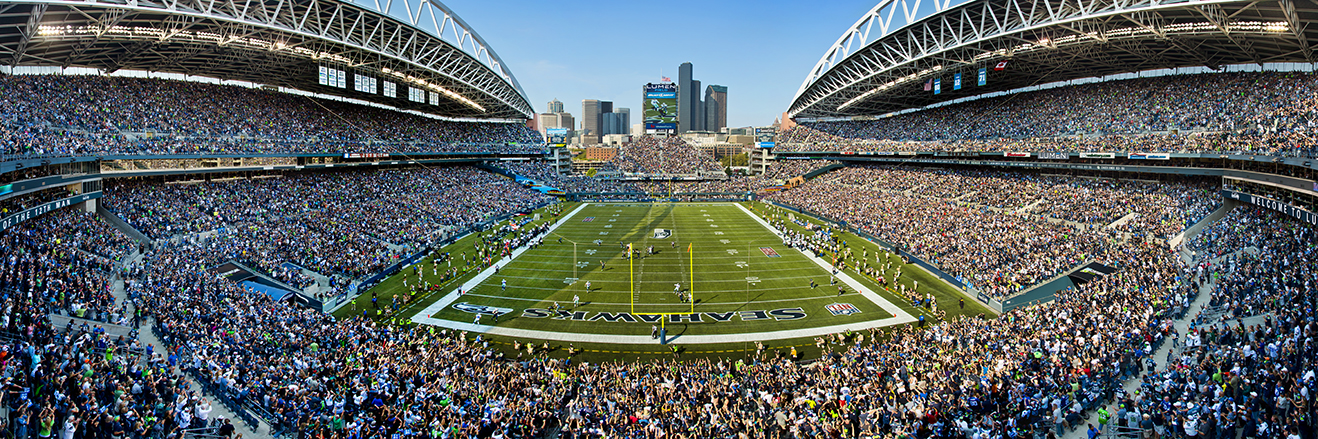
889 85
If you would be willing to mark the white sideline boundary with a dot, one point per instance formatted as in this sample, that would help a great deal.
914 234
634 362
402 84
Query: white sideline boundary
423 317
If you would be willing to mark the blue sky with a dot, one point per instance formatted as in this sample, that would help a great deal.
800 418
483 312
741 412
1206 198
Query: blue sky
574 50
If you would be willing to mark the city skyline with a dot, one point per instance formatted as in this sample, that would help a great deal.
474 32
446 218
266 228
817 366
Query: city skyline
762 52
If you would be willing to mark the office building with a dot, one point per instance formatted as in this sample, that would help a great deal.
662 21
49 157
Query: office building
565 120
685 98
554 120
609 124
716 108
590 121
697 108
598 153
555 106
617 122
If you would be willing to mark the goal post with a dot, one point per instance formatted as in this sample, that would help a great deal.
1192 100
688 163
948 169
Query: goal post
691 290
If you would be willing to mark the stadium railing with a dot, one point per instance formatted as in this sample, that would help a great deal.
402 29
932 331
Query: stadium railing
222 395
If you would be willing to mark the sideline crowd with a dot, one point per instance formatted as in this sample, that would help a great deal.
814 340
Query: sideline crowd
999 231
335 223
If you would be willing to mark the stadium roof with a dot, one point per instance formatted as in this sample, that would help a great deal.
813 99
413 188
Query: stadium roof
882 63
419 43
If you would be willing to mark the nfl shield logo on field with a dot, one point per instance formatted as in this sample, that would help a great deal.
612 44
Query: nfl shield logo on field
481 309
842 309
662 233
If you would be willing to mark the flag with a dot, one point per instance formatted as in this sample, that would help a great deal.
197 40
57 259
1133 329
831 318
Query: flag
938 85
1002 65
929 85
983 77
956 81
688 247
665 79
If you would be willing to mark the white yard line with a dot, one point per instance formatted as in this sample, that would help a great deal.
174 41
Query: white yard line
843 276
452 296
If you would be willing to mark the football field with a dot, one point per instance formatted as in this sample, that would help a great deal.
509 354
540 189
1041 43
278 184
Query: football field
706 272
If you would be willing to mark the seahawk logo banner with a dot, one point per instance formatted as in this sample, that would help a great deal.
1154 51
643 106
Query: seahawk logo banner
662 233
481 309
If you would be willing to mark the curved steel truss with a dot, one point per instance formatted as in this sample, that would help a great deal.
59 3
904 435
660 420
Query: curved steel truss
876 68
416 43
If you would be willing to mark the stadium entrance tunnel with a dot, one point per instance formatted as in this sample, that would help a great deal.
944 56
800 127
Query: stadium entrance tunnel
1047 291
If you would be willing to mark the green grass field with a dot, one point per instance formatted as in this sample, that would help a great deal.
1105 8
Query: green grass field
741 292
739 288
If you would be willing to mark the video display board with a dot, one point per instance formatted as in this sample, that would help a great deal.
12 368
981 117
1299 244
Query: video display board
660 107
556 136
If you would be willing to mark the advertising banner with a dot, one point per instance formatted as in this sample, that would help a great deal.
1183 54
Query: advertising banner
15 219
660 106
1018 154
1097 155
1280 206
1150 156
1054 155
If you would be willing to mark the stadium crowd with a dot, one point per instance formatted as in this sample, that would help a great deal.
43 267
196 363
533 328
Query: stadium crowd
1274 259
975 225
348 223
61 262
1269 113
45 115
666 155
1033 371
16 204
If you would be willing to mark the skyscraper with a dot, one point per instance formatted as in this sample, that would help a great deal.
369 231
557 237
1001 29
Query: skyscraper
555 106
590 121
686 98
565 120
697 108
606 107
716 107
611 124
616 122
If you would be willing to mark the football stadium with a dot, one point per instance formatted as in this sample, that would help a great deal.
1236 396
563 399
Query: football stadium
340 219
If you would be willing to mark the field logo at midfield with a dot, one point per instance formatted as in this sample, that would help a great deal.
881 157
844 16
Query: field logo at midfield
842 309
588 219
772 315
770 252
662 233
481 309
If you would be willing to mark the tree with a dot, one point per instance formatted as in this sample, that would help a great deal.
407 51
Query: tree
734 160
